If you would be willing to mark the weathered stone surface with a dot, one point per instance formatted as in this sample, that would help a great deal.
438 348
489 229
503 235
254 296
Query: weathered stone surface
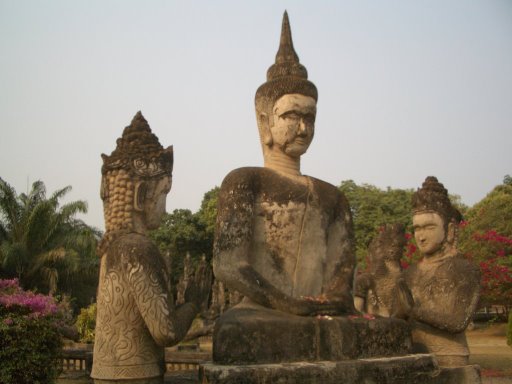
382 290
418 369
248 335
136 316
467 374
284 240
445 286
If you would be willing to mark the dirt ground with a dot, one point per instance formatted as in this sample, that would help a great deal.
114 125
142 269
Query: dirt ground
487 344
489 349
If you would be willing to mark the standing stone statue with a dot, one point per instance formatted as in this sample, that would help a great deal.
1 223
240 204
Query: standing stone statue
445 286
382 290
136 316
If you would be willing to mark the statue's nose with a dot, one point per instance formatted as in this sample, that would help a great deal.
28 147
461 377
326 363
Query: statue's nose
302 128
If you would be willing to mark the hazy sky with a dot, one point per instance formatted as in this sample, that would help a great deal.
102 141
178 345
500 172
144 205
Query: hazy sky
407 89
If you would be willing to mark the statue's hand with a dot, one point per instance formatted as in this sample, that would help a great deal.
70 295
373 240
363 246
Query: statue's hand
405 300
199 285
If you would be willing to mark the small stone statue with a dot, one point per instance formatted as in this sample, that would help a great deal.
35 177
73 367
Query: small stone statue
184 280
136 315
382 291
445 286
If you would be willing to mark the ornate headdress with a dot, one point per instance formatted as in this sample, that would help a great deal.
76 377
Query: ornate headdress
433 196
139 152
286 76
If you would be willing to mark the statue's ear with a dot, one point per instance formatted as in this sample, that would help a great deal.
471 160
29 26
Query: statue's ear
104 188
141 189
451 233
264 124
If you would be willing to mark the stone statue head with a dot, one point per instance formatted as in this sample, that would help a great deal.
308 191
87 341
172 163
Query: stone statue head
435 219
136 179
387 247
286 102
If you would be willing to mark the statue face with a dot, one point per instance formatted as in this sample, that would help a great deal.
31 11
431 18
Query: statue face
429 232
293 124
154 205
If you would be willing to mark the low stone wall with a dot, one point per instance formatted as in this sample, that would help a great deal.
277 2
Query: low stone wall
78 362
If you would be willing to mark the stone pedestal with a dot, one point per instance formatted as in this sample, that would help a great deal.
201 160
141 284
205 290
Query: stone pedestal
467 374
417 369
247 336
260 346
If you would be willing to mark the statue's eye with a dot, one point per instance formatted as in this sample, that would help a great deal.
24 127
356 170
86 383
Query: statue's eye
291 116
309 119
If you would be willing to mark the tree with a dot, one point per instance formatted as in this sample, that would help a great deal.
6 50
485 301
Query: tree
183 232
487 239
207 214
372 207
42 243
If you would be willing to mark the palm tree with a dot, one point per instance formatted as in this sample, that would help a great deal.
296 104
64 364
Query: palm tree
41 242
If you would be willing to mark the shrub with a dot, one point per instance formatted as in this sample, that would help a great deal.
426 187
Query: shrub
86 323
30 344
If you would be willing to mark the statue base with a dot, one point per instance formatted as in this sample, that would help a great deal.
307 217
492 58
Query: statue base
418 369
249 335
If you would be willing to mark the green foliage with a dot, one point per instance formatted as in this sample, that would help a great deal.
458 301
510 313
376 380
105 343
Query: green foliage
42 243
30 344
183 232
372 208
86 323
29 350
207 214
493 212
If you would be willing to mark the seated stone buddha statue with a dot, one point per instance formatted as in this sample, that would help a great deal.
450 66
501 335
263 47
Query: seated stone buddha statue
284 240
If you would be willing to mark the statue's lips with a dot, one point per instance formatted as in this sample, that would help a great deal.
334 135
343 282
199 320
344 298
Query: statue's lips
300 141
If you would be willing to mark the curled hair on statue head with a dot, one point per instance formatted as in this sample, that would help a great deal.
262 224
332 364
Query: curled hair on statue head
433 197
137 161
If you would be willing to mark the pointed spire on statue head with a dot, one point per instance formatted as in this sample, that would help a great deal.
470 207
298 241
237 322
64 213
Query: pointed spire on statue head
286 76
287 61
286 52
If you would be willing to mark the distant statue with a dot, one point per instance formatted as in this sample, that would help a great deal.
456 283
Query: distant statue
382 290
184 280
445 286
136 315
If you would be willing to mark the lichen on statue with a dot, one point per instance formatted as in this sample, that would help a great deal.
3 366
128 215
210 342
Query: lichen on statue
445 285
285 240
136 315
282 237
